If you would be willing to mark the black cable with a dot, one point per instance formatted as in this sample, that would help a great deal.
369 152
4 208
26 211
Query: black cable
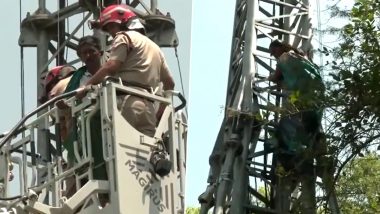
22 83
22 71
58 34
68 30
180 75
11 198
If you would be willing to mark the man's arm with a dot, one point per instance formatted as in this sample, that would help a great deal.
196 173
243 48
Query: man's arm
168 84
276 77
166 78
108 69
113 65
116 58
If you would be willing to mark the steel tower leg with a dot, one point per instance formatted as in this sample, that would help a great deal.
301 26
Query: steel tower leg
42 58
249 104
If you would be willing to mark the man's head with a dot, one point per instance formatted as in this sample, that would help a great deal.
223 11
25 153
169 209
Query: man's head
276 48
53 78
89 50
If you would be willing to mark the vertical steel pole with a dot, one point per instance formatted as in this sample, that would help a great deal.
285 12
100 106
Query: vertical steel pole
248 72
42 58
61 36
153 6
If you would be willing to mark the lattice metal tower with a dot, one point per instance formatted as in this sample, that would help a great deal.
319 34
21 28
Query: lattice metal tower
244 175
124 149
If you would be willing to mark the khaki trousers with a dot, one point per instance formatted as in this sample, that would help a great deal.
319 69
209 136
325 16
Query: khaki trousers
139 112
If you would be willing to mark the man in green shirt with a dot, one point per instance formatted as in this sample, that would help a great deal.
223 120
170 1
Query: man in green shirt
89 51
300 79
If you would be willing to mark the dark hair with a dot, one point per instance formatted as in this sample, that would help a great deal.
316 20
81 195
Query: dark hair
286 46
89 40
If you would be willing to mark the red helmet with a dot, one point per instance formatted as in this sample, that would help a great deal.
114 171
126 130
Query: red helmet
118 13
53 77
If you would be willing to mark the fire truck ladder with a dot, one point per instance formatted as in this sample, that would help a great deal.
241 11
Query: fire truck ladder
134 161
245 176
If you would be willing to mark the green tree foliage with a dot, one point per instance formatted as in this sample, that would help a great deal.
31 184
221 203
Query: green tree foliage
358 189
357 67
192 210
353 95
353 106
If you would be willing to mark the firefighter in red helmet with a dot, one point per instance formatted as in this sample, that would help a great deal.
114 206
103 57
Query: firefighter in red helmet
137 61
55 81
120 14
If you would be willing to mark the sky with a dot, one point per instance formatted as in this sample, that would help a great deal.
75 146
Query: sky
205 31
210 53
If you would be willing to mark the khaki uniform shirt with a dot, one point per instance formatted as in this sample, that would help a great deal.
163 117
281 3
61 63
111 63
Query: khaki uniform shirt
144 64
143 61
64 114
59 88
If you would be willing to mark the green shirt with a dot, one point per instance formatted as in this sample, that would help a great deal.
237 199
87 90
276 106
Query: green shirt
75 79
96 135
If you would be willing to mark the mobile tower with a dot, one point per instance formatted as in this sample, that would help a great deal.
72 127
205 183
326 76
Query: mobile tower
245 155
144 174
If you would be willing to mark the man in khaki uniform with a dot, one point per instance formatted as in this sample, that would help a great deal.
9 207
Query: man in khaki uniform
138 62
